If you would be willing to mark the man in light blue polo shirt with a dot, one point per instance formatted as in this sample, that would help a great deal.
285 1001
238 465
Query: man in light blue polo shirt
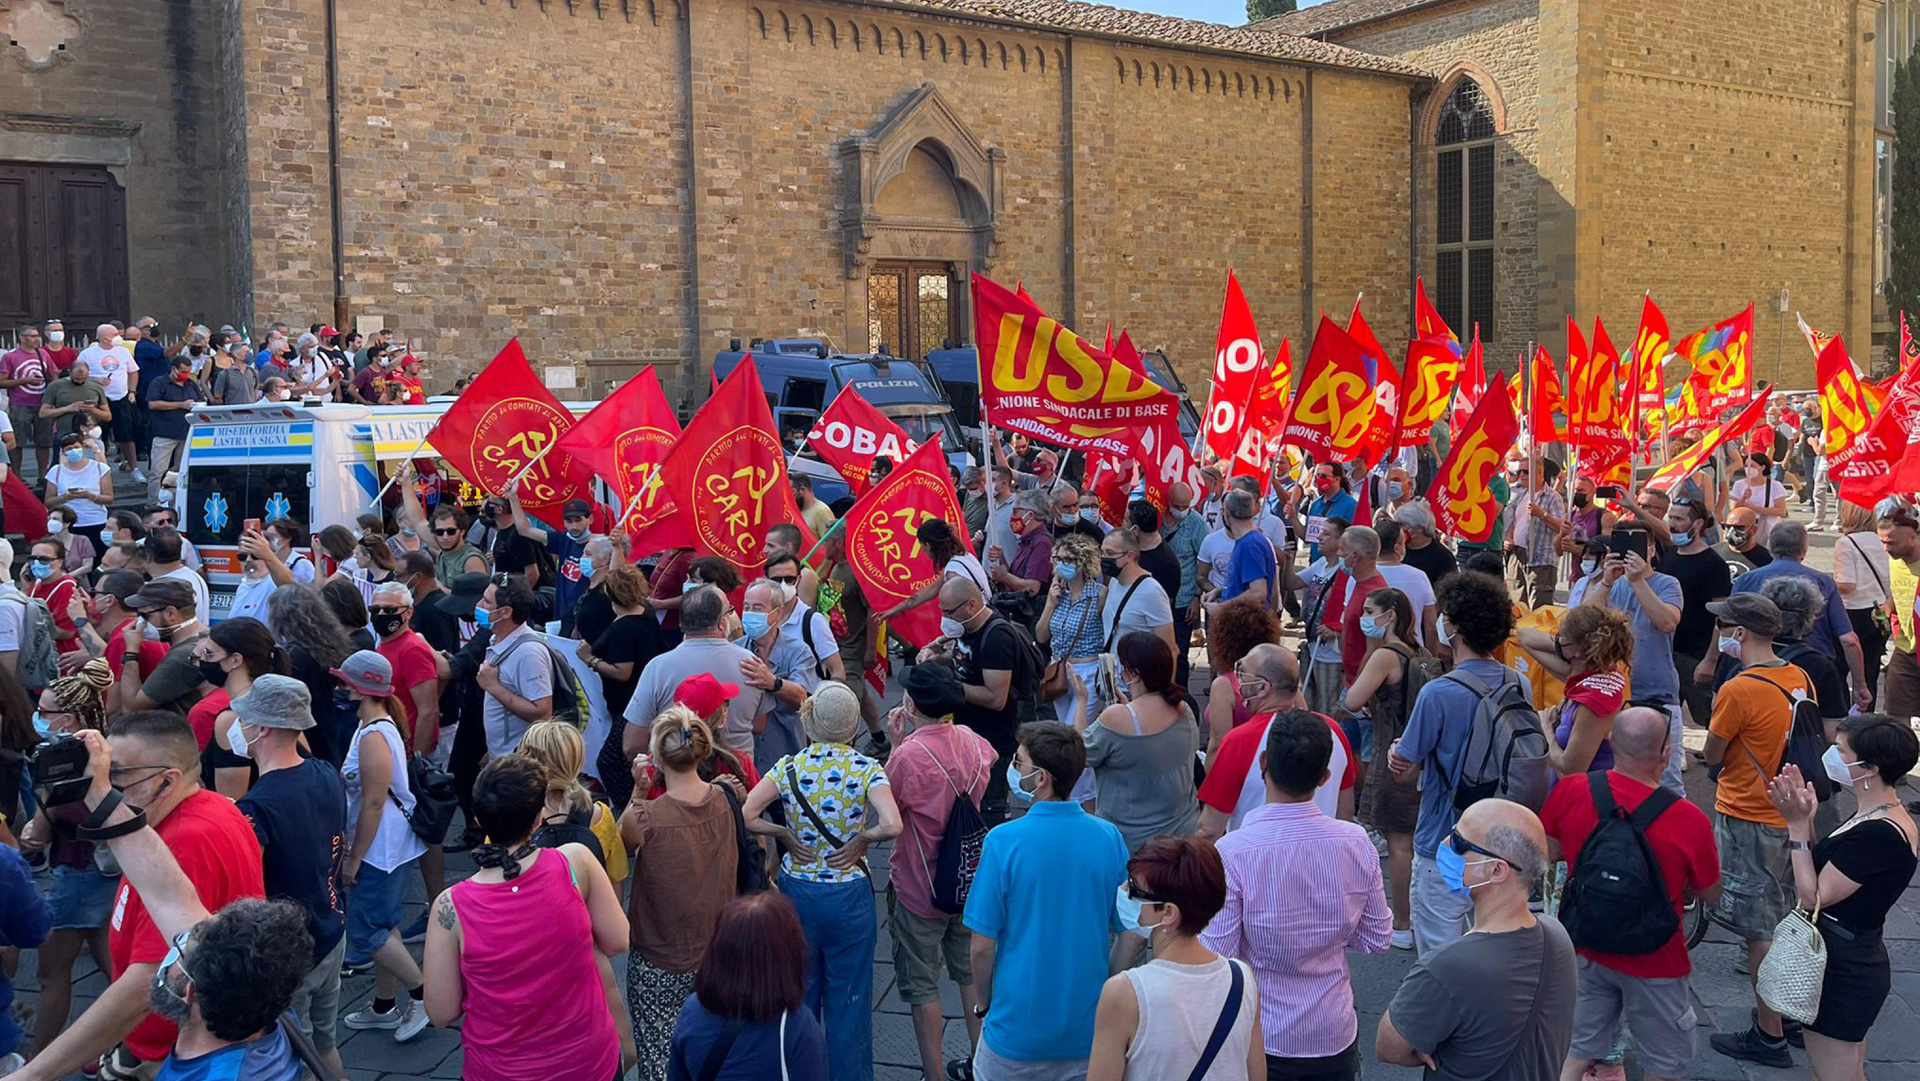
1041 908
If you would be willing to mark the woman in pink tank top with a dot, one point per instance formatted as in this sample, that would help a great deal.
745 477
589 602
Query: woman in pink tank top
517 953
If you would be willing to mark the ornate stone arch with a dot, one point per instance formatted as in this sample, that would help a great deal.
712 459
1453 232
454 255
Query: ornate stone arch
922 133
1436 102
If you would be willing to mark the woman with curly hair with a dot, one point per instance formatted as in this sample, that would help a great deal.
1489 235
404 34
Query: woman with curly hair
1379 693
1237 627
1596 642
316 642
1070 631
80 893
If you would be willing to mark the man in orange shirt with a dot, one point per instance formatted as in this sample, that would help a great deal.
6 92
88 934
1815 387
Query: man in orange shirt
1746 740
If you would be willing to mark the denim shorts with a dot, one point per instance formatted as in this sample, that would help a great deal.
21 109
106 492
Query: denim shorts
375 907
81 897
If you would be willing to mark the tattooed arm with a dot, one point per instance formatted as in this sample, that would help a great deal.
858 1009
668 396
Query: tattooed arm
440 963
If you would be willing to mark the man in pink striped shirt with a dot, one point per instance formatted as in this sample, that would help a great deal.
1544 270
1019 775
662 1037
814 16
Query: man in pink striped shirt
1314 884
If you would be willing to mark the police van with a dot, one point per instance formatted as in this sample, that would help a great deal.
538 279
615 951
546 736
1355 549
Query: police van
319 464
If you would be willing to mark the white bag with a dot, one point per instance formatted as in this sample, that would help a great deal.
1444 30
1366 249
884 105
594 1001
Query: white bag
1791 974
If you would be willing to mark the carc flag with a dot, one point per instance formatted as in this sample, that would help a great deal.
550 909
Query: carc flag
1843 401
728 476
1473 384
1383 435
1461 494
1427 322
851 433
624 440
1646 389
1334 412
1595 417
1426 387
1040 378
1237 365
1548 401
883 550
504 420
1686 463
1722 358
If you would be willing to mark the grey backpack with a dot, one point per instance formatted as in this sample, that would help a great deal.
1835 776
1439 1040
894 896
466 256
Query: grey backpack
1506 750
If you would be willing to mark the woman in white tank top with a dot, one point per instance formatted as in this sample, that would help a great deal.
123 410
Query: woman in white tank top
1189 1007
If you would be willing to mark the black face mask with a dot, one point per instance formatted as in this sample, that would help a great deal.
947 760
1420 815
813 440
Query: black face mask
213 673
388 626
1110 568
1581 499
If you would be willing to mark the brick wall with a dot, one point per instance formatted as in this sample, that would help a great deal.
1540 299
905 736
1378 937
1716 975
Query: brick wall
158 63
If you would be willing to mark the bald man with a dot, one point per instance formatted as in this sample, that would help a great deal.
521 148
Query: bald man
1742 534
1269 678
1647 991
1498 1002
999 678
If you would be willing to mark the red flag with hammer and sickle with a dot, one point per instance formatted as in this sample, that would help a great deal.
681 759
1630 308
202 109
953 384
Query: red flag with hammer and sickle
504 426
625 441
883 549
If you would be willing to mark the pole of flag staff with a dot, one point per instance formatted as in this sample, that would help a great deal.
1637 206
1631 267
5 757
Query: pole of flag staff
415 453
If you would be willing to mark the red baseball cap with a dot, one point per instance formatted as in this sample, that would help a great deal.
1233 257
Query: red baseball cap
328 332
704 694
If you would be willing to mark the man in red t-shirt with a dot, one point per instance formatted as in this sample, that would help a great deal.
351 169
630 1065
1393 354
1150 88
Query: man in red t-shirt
1360 557
1647 991
1269 679
416 669
156 767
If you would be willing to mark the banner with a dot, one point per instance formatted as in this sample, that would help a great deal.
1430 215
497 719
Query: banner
1462 492
1684 464
1646 387
1237 364
1039 378
883 549
1383 435
1596 421
1334 413
1427 385
505 419
1549 403
624 440
851 433
1722 358
728 476
1843 401
1473 385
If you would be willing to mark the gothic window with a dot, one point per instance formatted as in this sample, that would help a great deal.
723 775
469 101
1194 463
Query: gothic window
1464 222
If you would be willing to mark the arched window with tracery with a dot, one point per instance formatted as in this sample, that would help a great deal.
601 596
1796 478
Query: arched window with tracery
1463 242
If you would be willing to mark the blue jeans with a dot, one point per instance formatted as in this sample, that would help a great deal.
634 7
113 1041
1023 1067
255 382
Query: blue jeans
841 930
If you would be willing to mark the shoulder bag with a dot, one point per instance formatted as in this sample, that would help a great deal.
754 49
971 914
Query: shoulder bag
1107 686
1056 682
1880 618
813 816
1222 1028
1791 974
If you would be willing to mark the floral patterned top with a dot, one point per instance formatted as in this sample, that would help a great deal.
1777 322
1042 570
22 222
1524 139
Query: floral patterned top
835 778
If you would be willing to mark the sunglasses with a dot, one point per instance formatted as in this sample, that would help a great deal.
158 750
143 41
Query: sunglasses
446 532
385 610
1136 893
1462 846
784 580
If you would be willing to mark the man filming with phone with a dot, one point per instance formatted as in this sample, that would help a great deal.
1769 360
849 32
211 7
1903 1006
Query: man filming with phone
1652 602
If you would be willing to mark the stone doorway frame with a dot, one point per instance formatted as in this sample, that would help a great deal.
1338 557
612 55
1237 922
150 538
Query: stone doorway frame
869 161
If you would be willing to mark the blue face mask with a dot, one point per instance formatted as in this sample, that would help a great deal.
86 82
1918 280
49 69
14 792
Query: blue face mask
40 726
42 569
482 618
1681 540
586 564
688 587
754 623
1090 514
1014 781
1065 571
1453 869
1396 490
1341 565
1371 627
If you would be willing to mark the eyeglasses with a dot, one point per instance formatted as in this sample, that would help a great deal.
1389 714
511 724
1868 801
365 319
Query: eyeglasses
115 774
173 954
1721 624
446 532
954 611
1462 846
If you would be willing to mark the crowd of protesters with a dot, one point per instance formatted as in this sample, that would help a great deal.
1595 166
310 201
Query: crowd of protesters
1124 879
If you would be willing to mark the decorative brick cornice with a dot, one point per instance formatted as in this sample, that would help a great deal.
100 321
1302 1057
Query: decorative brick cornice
55 124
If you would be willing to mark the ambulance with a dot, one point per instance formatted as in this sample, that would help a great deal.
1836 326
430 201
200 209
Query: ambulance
320 464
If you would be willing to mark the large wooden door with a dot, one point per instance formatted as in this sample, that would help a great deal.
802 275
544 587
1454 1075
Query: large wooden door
911 308
63 245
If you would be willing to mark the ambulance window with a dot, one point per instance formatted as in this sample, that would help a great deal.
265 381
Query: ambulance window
220 498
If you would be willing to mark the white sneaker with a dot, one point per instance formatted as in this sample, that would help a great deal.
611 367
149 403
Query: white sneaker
367 1018
1379 842
413 1021
138 476
1403 940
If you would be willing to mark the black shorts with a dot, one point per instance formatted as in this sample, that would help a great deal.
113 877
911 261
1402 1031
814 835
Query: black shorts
120 428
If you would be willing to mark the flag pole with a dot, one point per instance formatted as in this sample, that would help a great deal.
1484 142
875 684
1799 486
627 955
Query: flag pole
528 468
835 528
382 493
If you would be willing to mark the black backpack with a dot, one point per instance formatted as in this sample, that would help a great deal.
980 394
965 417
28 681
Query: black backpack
1806 740
1616 899
1024 685
435 799
750 876
958 856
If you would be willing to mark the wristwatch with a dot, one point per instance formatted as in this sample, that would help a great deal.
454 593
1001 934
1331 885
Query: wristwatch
1799 846
777 684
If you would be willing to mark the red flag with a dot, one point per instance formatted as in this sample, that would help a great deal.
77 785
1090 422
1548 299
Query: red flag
728 476
1383 434
852 433
1843 401
1266 417
1547 399
1334 413
1473 384
882 549
1867 469
505 419
1237 364
1722 359
1427 322
1040 378
1596 417
1165 460
624 440
1686 463
1427 385
1646 389
1462 494
1108 478
25 510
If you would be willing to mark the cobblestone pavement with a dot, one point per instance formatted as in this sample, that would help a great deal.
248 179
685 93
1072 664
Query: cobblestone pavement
1722 996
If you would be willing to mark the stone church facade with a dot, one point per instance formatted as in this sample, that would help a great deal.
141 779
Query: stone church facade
631 181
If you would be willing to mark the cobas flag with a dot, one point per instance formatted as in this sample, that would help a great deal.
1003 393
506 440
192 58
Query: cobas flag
504 421
852 433
1461 494
1237 364
727 476
882 544
624 441
1041 378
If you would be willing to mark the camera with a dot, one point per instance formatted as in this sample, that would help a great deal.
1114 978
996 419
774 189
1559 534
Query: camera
59 769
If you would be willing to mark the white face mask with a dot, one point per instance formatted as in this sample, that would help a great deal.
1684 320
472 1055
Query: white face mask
1589 566
237 739
55 525
952 627
1443 631
1730 646
55 337
1839 769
